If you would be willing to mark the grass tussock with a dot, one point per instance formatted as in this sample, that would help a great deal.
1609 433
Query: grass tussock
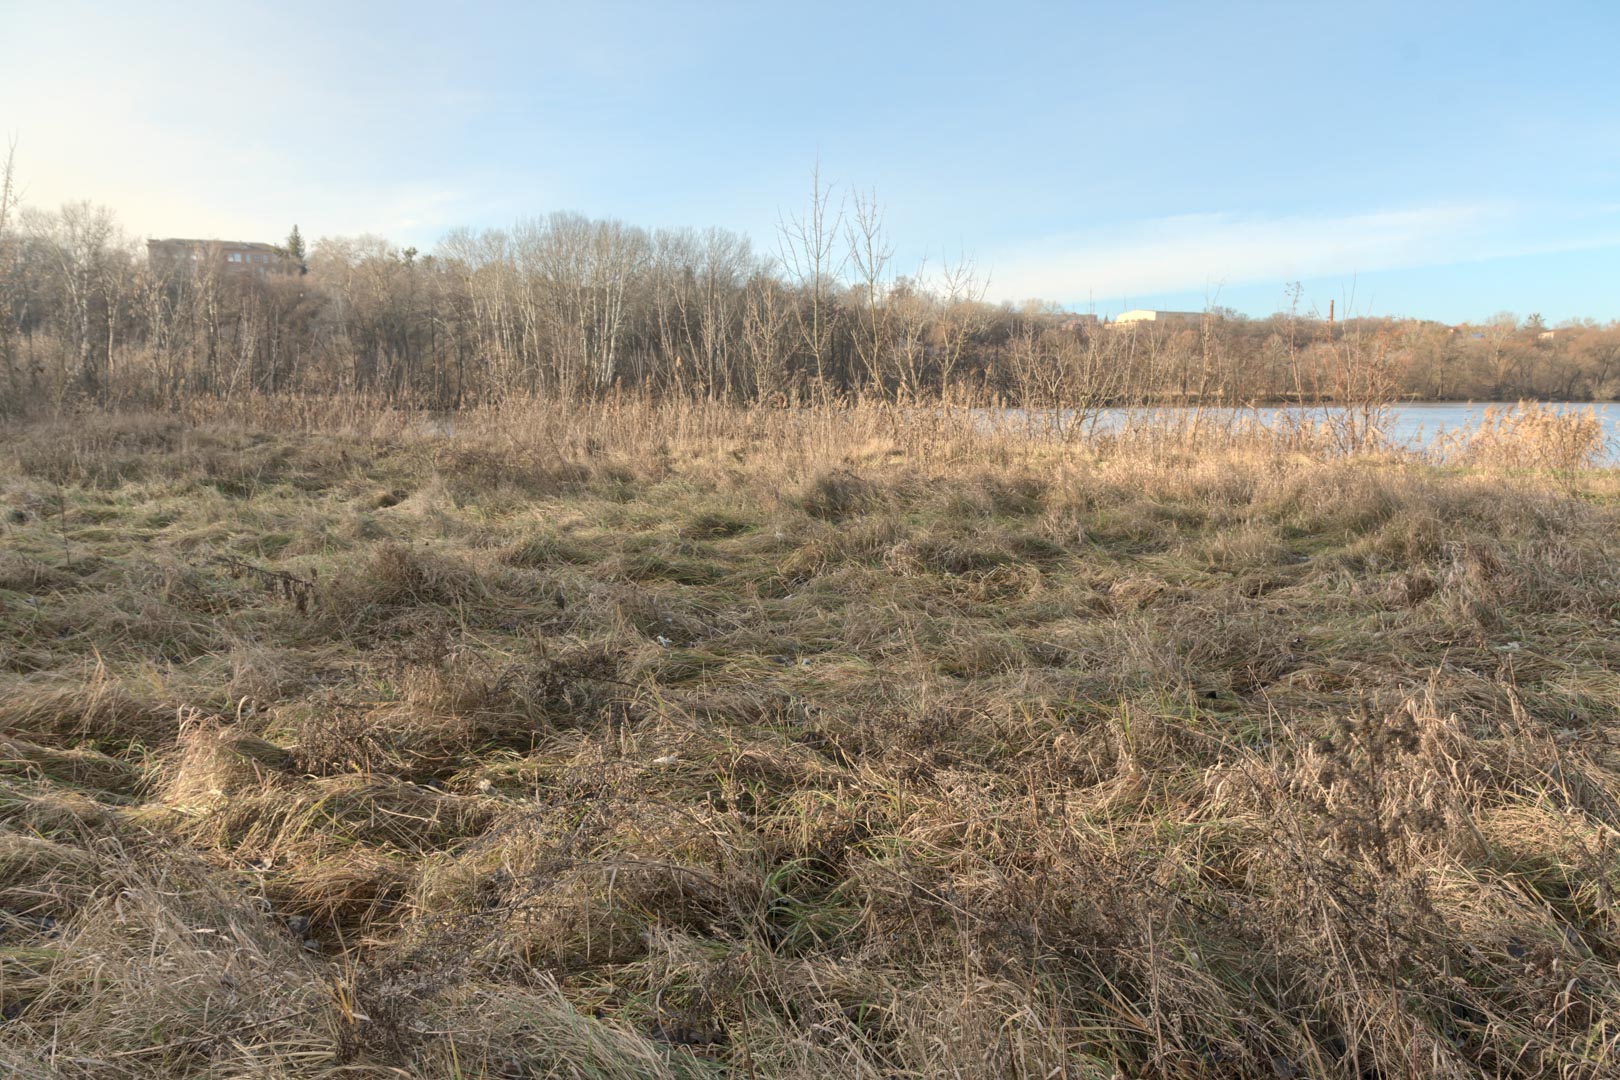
1530 436
803 745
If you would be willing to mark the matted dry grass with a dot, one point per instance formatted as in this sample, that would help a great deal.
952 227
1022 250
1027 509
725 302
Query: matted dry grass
627 740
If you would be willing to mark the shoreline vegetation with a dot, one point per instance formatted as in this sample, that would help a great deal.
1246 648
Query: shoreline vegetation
568 306
629 735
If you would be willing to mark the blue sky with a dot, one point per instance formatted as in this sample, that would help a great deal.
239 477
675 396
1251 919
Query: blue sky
1439 160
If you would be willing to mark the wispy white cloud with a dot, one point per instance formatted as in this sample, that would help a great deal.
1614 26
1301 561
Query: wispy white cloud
1207 251
195 134
175 185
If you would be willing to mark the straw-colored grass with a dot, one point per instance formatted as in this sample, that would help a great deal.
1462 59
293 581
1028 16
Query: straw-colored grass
1529 436
626 740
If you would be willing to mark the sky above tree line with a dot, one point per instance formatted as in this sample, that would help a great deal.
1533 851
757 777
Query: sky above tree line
1437 160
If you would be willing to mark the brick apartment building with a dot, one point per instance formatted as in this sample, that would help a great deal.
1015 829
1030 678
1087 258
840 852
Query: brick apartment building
234 256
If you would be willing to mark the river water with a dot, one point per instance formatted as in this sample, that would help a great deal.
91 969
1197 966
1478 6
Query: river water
1417 425
1413 426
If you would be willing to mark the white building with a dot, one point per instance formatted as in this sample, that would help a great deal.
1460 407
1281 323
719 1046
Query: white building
1142 315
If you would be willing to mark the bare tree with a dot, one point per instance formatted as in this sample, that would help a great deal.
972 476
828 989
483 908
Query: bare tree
962 318
8 274
1505 357
8 186
728 260
697 284
912 313
869 254
807 245
79 239
767 317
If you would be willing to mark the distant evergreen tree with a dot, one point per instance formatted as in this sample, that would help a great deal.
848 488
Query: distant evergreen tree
295 248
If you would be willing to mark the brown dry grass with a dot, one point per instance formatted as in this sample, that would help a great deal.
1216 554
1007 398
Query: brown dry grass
628 740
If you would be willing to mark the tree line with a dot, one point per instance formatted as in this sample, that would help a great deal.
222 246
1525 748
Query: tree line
567 304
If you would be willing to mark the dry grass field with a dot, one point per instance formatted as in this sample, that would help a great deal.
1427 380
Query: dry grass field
623 741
